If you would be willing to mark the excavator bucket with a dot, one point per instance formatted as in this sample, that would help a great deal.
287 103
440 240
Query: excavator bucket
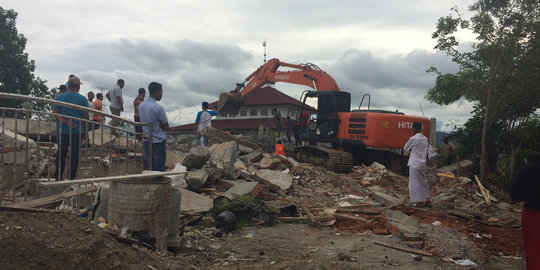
229 103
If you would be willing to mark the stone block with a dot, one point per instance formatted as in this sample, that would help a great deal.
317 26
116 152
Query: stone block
196 157
266 163
223 157
197 178
275 179
192 202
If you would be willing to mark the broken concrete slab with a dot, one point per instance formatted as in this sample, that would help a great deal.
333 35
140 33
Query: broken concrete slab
192 202
403 226
266 163
277 179
241 188
387 199
196 157
197 178
223 157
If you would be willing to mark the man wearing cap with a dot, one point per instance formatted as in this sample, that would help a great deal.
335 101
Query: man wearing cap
72 130
417 145
114 95
152 113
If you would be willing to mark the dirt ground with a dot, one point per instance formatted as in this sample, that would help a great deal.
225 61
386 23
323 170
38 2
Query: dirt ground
65 241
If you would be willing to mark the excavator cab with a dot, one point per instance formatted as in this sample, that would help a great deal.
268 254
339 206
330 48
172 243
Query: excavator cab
324 125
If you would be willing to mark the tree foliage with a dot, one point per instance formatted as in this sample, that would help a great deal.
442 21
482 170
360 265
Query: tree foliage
16 70
499 73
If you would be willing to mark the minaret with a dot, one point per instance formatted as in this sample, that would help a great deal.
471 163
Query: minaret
264 45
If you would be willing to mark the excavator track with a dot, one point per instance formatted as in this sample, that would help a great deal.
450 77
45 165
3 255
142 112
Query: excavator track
332 159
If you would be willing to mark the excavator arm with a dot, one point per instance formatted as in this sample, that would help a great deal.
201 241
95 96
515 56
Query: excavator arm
303 74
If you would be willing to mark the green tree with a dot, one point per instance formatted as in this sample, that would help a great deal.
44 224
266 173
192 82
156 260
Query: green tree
16 71
500 72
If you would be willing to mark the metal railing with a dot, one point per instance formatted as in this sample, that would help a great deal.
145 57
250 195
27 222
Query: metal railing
32 141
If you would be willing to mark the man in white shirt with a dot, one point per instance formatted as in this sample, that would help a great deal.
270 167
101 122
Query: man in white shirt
153 113
417 145
204 119
114 95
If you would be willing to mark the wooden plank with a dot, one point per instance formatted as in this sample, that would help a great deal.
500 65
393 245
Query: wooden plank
51 199
311 218
108 179
27 210
411 250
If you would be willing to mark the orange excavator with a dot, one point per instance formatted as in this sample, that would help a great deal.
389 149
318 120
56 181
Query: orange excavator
362 135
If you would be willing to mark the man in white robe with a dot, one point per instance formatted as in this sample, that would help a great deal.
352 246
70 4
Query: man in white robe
417 145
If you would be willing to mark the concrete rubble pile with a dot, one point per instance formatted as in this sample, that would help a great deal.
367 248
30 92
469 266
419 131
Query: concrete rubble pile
370 198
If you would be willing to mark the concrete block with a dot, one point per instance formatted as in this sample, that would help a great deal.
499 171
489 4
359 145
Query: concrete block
192 202
277 179
196 157
266 163
223 157
241 188
196 178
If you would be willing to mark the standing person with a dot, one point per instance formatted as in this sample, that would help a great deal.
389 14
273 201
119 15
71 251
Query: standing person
72 130
138 100
98 105
295 133
289 124
417 145
152 113
114 95
204 119
61 90
449 151
302 125
90 96
526 188
278 119
279 148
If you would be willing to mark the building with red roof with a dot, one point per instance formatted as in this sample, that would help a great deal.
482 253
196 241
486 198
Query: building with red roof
260 107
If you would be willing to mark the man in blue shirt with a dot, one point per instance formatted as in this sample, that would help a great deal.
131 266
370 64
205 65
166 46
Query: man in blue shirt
204 119
152 113
72 131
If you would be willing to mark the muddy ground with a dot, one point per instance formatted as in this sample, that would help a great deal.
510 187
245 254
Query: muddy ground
65 241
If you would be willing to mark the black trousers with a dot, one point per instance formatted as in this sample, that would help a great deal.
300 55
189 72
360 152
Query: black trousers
67 140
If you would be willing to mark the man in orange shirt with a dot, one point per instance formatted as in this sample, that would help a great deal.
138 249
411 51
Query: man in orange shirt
280 149
98 105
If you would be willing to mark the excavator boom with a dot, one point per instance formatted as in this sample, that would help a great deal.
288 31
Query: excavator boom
303 74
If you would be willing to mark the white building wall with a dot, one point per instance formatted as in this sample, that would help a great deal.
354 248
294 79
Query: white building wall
285 110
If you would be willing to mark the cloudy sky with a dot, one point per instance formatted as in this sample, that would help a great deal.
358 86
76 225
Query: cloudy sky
198 49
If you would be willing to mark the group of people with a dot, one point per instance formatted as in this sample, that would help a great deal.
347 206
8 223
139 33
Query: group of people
71 131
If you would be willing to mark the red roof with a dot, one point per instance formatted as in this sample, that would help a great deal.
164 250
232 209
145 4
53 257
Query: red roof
269 96
257 97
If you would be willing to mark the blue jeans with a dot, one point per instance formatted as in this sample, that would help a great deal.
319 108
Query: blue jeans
159 156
